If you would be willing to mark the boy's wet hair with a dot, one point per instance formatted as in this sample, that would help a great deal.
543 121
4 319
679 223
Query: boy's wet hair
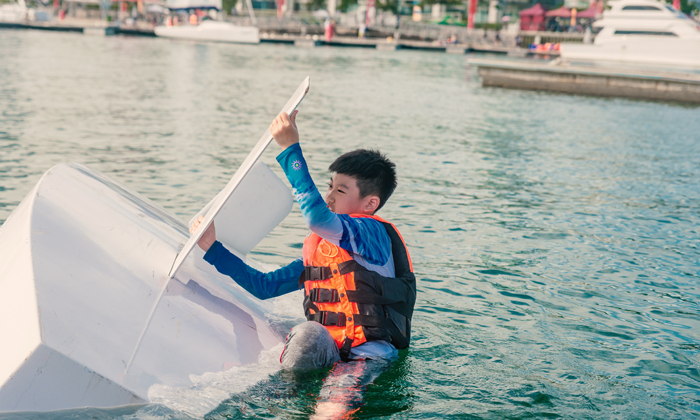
374 173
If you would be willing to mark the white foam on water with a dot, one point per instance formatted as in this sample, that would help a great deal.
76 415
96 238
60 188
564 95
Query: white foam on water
209 390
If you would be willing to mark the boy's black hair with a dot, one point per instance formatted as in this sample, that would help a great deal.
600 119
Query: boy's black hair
374 173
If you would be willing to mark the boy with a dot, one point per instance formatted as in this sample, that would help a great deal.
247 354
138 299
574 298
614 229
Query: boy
359 284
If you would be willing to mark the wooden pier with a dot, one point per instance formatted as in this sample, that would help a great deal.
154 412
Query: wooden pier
634 83
381 44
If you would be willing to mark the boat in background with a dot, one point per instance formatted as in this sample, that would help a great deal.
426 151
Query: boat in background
20 13
14 12
210 30
641 31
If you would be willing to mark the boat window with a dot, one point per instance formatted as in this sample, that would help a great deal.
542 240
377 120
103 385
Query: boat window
657 33
654 8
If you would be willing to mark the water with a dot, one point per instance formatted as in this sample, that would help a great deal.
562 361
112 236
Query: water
555 238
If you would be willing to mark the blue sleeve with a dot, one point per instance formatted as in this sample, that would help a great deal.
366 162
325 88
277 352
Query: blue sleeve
362 236
259 284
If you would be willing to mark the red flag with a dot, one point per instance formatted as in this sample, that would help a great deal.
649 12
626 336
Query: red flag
471 13
370 6
280 3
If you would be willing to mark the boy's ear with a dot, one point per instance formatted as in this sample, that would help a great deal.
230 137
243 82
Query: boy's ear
372 204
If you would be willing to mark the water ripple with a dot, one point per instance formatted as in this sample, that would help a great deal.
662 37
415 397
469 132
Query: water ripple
554 237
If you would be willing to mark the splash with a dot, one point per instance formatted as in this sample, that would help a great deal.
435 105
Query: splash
209 390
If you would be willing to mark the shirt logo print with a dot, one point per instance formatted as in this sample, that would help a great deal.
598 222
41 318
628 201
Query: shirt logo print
296 165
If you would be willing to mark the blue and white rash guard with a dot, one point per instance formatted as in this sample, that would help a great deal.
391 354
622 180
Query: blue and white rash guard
365 239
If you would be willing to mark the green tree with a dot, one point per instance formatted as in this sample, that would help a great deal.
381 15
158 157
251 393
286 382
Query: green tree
689 7
388 5
316 4
228 5
345 5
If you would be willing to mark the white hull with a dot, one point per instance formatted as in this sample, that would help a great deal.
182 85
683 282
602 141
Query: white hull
83 263
12 13
212 31
683 53
641 31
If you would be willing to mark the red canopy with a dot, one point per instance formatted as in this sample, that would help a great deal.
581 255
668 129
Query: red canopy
562 12
588 13
532 19
536 10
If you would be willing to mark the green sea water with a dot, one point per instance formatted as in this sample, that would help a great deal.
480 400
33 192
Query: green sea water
555 238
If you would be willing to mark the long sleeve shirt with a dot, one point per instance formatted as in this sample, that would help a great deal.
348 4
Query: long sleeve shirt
365 239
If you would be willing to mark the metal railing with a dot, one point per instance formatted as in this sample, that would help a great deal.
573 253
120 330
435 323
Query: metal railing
408 30
528 37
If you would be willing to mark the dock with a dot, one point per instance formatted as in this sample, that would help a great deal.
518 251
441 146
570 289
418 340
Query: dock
87 28
381 44
302 41
559 76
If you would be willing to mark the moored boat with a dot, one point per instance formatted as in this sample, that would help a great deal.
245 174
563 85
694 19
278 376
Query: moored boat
13 12
210 30
641 31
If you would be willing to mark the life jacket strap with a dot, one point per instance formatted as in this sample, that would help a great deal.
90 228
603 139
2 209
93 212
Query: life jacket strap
312 273
317 273
328 318
320 295
345 349
369 321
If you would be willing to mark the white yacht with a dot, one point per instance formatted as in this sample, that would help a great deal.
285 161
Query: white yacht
210 30
641 31
13 12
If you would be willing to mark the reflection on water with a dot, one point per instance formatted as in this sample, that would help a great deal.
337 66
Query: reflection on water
554 237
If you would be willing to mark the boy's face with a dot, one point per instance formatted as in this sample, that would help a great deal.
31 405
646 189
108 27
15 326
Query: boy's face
343 197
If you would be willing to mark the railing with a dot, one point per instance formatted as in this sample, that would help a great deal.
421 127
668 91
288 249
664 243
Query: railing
408 30
433 32
528 37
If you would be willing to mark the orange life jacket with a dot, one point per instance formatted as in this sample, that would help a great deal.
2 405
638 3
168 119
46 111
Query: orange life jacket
355 304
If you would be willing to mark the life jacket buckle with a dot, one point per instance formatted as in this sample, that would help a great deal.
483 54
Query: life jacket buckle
320 295
313 273
329 319
345 348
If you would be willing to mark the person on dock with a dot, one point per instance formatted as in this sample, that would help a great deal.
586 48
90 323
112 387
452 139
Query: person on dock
359 287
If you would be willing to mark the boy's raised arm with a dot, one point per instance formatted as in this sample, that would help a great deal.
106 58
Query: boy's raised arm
364 237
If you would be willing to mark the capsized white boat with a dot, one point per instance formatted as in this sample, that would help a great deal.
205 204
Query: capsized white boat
641 31
210 30
99 299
